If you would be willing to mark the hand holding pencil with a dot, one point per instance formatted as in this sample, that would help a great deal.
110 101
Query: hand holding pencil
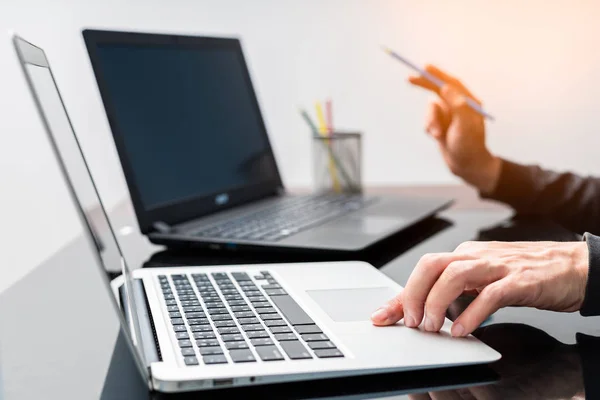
459 130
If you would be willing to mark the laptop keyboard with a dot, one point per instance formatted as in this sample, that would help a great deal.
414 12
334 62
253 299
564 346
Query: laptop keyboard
287 217
237 321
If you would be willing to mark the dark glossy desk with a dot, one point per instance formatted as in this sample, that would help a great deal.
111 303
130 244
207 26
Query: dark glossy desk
52 347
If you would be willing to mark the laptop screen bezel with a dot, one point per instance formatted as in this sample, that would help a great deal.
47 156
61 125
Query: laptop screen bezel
177 211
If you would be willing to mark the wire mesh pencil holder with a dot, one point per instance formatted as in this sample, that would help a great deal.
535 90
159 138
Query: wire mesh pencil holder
337 162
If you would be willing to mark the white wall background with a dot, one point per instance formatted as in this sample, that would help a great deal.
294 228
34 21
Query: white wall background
536 65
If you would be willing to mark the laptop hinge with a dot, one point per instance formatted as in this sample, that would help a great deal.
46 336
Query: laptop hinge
149 341
162 227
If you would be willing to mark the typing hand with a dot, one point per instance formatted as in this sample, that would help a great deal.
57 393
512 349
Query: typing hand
544 275
459 132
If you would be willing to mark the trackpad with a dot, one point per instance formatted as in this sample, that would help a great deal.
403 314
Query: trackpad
345 305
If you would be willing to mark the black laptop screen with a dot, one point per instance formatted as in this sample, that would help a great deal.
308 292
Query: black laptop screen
188 120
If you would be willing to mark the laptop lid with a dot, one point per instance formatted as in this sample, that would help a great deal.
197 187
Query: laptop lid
185 121
96 225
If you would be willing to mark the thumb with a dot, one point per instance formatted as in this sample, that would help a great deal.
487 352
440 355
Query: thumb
453 97
389 313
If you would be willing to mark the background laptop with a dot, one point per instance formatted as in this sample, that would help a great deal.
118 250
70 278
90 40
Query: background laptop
208 327
197 158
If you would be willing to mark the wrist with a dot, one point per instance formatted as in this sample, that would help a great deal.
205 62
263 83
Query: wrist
486 175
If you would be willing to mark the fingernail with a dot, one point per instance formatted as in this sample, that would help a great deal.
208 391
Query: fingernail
409 321
380 315
428 323
457 330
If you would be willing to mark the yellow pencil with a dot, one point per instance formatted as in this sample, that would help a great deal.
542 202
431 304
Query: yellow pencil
323 130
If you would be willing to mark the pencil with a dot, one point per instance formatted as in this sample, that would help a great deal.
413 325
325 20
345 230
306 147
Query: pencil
437 82
329 116
323 131
315 132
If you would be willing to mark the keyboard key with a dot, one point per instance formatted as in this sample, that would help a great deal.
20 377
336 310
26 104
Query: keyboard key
269 287
248 321
212 304
169 296
209 351
275 292
175 314
225 324
187 352
245 314
261 342
177 321
182 335
241 276
190 303
252 293
221 317
228 330
295 350
275 322
236 345
199 276
219 276
302 329
171 302
253 327
241 356
216 311
233 297
269 353
233 337
328 353
257 334
204 335
266 310
199 334
314 337
189 309
190 360
179 328
270 317
227 292
207 342
214 359
280 329
233 303
192 315
285 336
261 304
237 309
185 343
257 298
172 308
198 321
291 310
321 345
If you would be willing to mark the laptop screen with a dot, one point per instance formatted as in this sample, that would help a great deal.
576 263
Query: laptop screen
185 119
109 257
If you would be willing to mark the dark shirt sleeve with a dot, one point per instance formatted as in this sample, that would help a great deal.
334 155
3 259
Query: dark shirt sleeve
568 199
591 302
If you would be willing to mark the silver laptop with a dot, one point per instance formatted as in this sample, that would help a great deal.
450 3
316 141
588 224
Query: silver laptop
193 328
198 162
